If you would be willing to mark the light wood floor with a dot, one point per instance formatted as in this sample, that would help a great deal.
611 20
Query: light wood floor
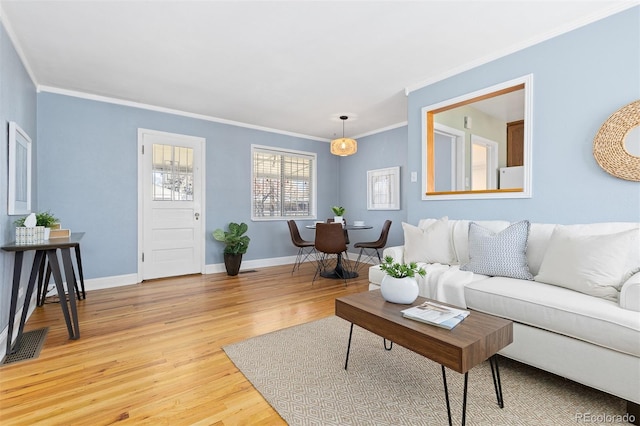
152 353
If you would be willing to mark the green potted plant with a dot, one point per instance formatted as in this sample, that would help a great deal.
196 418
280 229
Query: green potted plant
236 244
338 212
399 284
46 219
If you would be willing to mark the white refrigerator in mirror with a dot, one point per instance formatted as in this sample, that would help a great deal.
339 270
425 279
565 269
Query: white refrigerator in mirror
512 177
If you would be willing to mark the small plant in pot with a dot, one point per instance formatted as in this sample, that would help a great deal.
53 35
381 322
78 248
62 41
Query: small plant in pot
338 212
399 284
236 244
46 219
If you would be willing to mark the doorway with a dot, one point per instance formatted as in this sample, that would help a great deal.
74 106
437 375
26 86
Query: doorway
484 163
171 194
449 157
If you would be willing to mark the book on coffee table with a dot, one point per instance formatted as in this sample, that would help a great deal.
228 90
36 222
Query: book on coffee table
436 314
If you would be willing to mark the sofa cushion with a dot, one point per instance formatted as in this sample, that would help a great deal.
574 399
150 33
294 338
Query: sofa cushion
460 235
560 310
630 293
429 245
539 236
499 254
597 265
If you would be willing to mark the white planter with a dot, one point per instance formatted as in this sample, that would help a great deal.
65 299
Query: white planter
399 290
47 233
337 219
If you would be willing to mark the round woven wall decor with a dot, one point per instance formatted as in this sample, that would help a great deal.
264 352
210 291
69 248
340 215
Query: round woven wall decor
608 145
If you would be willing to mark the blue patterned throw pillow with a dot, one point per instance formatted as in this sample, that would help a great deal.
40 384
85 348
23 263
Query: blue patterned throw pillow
502 254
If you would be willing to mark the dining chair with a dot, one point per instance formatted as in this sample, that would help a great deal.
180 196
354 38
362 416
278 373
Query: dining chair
330 241
346 233
306 248
373 248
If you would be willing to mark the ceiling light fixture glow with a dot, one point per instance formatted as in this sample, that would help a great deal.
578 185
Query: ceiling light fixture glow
344 146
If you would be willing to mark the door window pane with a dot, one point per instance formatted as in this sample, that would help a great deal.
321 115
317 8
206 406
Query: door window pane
172 173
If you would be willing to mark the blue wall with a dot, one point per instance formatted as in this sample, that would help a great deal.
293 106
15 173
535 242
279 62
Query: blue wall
87 160
87 152
580 79
17 103
378 151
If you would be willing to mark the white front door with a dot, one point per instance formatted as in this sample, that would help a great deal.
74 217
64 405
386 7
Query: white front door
171 176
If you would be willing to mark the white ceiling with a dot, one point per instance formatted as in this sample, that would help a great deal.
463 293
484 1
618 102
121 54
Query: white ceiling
292 66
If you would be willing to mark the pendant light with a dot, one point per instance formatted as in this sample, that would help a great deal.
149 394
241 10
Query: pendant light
344 146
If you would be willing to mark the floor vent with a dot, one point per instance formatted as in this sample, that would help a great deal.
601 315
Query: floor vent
247 271
30 346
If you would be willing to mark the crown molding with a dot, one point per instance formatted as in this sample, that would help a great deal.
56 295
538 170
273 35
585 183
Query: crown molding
521 46
14 41
132 104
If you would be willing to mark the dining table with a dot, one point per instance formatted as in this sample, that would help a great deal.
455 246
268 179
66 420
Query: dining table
339 273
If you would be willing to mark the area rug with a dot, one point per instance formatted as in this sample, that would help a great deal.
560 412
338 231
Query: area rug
300 372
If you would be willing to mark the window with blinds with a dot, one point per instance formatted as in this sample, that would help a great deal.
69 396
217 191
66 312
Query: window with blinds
283 184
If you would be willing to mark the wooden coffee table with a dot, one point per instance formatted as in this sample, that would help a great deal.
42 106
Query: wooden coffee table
478 338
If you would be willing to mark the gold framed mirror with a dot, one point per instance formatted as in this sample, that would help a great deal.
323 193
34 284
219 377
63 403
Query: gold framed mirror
478 145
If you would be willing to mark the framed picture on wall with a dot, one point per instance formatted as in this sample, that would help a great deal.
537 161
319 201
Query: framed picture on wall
383 189
19 190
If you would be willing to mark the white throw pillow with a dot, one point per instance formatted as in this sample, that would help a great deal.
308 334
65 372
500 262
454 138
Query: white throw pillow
502 254
596 265
430 245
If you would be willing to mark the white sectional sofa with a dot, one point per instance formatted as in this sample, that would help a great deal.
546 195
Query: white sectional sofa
575 302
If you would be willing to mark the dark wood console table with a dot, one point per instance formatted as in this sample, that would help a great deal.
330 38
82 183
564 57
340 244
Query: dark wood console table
46 250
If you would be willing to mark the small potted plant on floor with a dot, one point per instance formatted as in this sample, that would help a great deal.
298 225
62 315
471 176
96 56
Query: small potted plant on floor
236 244
399 284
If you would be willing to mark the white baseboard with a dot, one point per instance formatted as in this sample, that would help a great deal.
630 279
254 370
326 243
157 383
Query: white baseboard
110 282
250 264
263 263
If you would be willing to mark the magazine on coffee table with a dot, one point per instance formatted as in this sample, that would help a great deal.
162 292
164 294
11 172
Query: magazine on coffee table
436 314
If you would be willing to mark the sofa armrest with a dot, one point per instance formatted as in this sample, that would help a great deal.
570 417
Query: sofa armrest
397 252
630 293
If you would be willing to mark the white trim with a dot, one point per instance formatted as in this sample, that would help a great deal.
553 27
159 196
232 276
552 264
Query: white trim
312 156
458 153
393 189
19 138
14 41
103 283
261 263
527 191
380 130
521 46
111 282
266 148
203 202
99 98
132 104
256 263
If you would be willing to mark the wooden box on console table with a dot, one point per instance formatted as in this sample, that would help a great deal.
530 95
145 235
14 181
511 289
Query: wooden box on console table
60 233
